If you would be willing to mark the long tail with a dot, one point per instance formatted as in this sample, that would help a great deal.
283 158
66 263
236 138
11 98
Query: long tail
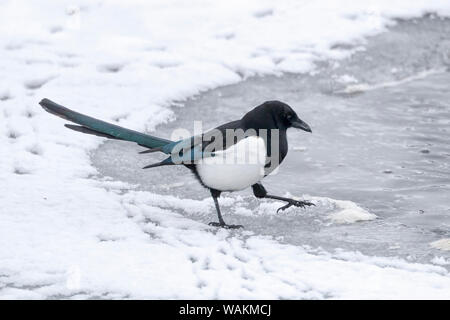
104 129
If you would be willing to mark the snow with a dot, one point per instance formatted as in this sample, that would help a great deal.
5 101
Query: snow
67 234
442 244
345 211
440 261
326 209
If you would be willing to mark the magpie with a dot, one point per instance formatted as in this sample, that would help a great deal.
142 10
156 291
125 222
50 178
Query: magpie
231 157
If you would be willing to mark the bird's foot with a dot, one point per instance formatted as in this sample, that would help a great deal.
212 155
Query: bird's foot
295 203
226 226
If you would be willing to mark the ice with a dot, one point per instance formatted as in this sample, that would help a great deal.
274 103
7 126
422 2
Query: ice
357 88
408 193
67 231
398 176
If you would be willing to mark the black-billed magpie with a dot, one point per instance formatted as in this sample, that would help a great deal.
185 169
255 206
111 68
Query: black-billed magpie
231 157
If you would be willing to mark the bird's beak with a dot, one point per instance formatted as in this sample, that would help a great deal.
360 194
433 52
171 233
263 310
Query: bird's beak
300 124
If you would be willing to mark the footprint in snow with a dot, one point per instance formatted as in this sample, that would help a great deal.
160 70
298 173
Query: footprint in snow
35 84
110 67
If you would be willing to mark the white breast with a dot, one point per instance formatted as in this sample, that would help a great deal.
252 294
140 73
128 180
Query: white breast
235 168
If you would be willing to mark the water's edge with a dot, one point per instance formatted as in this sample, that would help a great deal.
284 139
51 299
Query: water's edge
380 121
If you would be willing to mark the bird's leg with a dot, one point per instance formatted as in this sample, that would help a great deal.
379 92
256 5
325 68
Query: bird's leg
290 202
221 223
260 192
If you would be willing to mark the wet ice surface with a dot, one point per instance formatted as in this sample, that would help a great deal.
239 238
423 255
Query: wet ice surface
380 139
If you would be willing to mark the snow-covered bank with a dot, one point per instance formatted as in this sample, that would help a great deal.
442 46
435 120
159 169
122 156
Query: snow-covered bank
65 234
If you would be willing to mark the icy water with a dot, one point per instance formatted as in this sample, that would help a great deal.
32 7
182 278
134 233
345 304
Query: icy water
381 139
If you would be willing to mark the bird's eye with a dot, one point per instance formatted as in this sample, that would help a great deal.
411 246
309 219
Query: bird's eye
289 116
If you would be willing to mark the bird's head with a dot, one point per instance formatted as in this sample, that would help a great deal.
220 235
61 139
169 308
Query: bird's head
275 114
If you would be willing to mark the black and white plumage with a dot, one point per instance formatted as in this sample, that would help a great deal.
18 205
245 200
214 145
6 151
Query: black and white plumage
261 122
231 157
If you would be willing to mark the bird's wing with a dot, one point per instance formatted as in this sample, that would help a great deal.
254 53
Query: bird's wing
194 148
187 151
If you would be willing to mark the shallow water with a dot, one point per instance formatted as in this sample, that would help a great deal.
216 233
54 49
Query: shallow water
381 139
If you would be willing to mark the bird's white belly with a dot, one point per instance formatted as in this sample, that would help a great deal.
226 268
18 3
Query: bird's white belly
235 168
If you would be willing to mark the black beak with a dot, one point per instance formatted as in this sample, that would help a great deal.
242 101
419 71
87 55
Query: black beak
300 124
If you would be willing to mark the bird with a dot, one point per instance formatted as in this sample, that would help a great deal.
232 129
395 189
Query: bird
231 157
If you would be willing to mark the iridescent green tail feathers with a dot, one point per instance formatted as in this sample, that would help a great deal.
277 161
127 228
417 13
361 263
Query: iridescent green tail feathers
104 129
184 151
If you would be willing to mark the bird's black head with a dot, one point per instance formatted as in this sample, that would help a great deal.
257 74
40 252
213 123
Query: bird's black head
274 115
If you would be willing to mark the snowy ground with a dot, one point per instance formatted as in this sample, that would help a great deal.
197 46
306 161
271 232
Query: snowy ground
67 234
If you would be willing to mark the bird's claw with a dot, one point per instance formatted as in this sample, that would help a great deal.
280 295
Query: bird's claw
225 226
296 203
